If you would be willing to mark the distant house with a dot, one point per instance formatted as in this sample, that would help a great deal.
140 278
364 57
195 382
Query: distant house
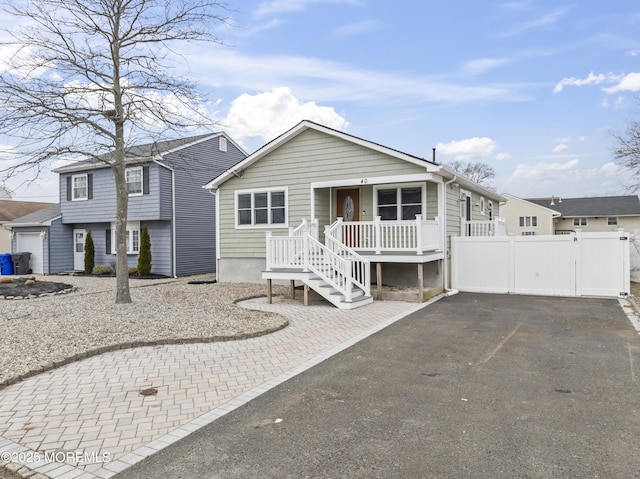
526 218
598 213
9 211
165 193
337 212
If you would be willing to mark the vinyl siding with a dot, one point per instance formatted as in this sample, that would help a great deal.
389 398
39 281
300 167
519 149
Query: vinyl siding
310 157
102 206
195 207
59 247
159 233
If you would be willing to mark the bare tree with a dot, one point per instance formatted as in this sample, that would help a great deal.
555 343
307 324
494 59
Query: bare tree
627 153
89 77
481 173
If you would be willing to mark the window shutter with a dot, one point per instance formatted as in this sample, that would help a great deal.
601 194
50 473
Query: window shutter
90 186
107 241
145 180
68 188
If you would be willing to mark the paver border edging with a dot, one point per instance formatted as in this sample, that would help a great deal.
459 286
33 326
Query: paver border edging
43 368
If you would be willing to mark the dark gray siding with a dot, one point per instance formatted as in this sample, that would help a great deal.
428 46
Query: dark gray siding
195 206
102 206
159 233
59 248
161 253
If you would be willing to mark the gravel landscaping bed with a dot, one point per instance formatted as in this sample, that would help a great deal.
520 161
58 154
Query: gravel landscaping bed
42 333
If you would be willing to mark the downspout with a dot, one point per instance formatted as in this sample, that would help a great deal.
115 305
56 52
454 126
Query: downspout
445 276
173 217
217 199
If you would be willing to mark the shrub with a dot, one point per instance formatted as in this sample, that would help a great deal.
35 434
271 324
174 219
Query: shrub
133 271
101 269
144 259
89 253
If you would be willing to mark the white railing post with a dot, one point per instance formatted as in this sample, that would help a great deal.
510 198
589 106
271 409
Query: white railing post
305 252
377 228
348 297
418 234
268 252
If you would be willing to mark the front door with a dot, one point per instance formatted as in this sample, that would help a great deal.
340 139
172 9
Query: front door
348 204
78 249
348 208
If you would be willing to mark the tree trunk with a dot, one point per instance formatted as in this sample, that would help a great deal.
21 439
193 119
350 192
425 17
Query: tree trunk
123 295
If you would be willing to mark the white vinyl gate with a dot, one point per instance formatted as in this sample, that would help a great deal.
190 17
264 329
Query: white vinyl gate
579 264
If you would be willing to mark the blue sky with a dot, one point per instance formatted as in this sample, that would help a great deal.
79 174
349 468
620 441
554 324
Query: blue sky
532 88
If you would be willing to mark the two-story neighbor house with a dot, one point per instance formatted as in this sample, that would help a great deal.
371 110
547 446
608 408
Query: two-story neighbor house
333 211
165 182
526 218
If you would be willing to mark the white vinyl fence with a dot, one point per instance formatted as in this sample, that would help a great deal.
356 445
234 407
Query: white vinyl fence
580 264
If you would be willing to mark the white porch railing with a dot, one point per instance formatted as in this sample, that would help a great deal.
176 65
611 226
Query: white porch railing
337 266
389 236
496 227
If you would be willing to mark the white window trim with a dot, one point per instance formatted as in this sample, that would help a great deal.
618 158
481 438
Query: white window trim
131 227
222 144
139 168
73 187
615 221
482 206
579 221
268 225
529 223
398 187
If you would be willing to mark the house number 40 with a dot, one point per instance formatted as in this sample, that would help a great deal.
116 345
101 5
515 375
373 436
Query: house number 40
364 181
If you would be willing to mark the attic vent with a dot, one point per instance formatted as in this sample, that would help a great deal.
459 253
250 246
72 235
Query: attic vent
222 145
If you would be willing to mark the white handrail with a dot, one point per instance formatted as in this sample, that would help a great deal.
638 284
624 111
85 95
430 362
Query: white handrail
337 264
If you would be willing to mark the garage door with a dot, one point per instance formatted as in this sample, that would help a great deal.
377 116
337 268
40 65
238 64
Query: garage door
32 243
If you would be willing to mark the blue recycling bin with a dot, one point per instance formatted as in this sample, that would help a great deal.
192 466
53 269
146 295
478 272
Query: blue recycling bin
6 264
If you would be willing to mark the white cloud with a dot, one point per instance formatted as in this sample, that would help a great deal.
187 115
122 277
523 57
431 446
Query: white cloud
562 179
560 147
469 149
481 65
269 114
503 156
326 80
540 22
591 79
630 82
285 6
359 28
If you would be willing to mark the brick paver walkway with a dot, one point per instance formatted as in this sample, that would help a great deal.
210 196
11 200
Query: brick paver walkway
88 419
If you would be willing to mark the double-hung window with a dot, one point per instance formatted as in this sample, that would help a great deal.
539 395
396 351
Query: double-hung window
261 208
612 221
133 237
79 187
134 180
579 221
402 202
528 221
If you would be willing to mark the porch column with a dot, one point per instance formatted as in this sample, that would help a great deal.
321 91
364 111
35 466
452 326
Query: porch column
419 234
379 279
420 282
377 227
269 292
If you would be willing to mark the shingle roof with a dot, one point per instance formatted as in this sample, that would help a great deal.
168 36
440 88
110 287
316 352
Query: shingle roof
596 206
38 217
10 209
135 153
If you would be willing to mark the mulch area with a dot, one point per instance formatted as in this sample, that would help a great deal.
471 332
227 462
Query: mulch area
29 287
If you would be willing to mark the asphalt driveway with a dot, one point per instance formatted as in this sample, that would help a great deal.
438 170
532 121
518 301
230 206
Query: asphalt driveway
477 386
